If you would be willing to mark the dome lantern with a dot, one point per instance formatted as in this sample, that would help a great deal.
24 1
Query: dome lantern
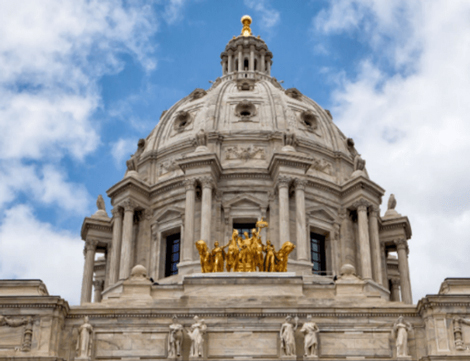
246 56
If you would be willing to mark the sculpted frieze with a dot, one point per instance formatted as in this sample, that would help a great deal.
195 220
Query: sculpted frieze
24 340
322 165
245 153
168 166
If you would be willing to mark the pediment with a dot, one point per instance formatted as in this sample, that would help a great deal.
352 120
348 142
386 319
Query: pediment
244 201
321 213
169 214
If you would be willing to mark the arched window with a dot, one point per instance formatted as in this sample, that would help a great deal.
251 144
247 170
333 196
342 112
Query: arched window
317 251
173 243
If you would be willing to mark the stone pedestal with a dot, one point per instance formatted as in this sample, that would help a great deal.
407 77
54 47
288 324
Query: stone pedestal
313 357
288 358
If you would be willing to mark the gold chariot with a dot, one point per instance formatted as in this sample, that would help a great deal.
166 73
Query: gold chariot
247 254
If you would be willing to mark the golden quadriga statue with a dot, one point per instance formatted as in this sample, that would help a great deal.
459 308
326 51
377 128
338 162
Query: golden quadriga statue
247 254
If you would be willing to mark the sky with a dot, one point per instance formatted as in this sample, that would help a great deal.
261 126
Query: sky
81 81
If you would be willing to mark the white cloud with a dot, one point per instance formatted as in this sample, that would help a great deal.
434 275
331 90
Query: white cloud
412 129
122 150
173 11
30 249
269 16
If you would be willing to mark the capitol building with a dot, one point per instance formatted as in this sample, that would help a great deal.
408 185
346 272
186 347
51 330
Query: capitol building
246 227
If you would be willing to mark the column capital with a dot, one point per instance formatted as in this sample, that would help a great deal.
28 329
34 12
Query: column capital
374 211
395 281
342 213
116 211
230 52
401 243
207 182
148 214
361 205
90 244
283 181
189 184
98 284
300 184
262 52
128 205
154 228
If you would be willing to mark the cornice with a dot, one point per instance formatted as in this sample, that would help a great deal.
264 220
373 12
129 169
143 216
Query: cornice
128 183
362 183
96 224
396 223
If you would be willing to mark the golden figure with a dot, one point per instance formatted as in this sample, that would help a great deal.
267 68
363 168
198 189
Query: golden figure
245 254
218 257
205 256
231 260
270 259
256 251
282 256
246 21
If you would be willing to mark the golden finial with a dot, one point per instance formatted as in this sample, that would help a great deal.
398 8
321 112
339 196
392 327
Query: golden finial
246 21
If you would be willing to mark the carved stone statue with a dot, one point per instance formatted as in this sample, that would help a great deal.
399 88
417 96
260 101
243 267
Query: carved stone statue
132 162
288 337
359 163
400 332
175 338
85 340
290 141
391 212
310 330
196 334
392 202
100 203
201 140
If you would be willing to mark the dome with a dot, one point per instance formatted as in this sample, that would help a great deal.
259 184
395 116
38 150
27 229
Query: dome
246 114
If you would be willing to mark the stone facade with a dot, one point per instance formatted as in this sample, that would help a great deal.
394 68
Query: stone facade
243 150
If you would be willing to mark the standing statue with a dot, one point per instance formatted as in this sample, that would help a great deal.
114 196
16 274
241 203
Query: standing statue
218 257
288 337
392 202
175 338
270 258
257 251
205 256
196 334
100 203
400 332
85 340
231 262
310 330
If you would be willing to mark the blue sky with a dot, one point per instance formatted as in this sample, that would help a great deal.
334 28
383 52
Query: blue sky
82 81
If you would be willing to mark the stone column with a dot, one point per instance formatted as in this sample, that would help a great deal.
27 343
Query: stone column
395 292
187 247
206 209
87 281
347 240
228 223
264 231
268 66
252 58
363 233
126 249
335 249
402 250
283 186
375 244
240 58
98 285
300 219
230 61
154 254
262 62
115 246
384 263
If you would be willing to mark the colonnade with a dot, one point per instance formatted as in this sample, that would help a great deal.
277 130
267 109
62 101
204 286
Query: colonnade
230 60
372 261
